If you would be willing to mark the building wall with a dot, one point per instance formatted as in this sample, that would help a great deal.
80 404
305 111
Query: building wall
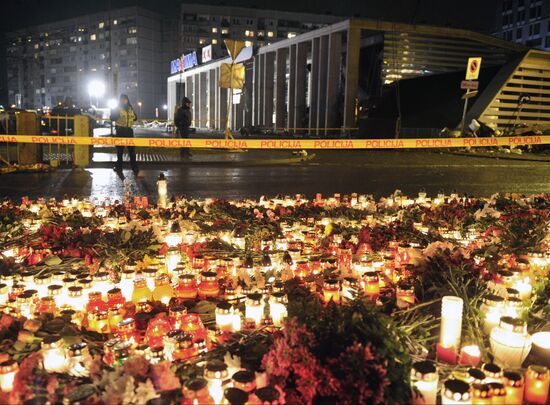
524 21
49 62
206 24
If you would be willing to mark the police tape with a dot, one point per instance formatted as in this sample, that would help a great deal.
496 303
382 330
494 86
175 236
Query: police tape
283 143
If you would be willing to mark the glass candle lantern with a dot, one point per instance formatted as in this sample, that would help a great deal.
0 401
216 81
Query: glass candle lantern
455 392
451 323
424 381
174 238
195 392
187 287
176 316
372 284
185 348
331 290
126 283
493 372
234 396
150 274
266 396
514 383
78 360
25 304
192 324
492 310
102 283
121 352
46 305
344 260
245 380
171 259
8 369
277 308
536 385
513 307
141 291
76 300
541 348
157 328
42 281
115 317
163 291
53 354
510 342
498 392
115 298
470 355
475 376
349 287
208 287
127 331
224 316
254 307
95 303
481 394
169 343
215 373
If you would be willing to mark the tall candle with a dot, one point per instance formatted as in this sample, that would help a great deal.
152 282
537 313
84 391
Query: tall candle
451 326
277 308
254 308
8 369
424 380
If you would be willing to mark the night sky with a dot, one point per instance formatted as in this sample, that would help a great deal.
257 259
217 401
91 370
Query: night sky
474 14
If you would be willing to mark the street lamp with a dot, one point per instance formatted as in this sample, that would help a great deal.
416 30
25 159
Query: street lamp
96 89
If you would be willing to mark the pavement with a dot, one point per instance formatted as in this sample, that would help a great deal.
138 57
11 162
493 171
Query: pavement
378 172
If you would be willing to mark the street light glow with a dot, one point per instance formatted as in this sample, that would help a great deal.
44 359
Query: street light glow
165 107
112 103
96 88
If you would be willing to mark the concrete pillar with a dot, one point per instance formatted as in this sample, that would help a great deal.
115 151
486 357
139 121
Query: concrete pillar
171 99
322 67
189 89
256 94
269 79
196 100
300 86
353 49
292 89
314 88
261 88
204 99
280 103
219 125
212 94
333 80
247 93
224 94
27 124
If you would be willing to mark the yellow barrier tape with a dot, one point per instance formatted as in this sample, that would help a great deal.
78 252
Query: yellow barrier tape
284 143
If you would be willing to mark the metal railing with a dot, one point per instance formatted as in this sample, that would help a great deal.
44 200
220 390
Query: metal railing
62 126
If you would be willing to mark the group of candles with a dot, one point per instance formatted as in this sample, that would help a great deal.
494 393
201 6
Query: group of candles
487 385
96 302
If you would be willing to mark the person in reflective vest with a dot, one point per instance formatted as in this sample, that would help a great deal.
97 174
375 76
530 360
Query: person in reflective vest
124 117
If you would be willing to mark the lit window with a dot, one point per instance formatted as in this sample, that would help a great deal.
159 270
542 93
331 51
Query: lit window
132 30
270 34
101 25
225 31
214 41
291 35
79 39
202 41
92 37
214 30
115 22
36 46
247 43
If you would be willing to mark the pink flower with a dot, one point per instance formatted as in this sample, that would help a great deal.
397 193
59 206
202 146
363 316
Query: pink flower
163 377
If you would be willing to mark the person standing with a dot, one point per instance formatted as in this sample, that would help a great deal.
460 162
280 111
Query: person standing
124 117
182 121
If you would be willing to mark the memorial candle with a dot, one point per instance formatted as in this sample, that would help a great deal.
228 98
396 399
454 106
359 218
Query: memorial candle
536 385
424 380
514 384
451 328
8 369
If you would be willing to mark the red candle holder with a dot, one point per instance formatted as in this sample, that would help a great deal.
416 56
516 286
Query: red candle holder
446 354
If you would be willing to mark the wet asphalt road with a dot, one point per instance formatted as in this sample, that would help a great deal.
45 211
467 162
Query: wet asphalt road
253 174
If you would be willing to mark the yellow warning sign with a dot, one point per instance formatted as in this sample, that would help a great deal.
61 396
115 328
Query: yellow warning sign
231 76
472 70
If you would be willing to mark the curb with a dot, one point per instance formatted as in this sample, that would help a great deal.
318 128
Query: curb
499 157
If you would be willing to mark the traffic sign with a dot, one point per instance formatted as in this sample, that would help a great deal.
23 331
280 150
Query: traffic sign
472 70
469 85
